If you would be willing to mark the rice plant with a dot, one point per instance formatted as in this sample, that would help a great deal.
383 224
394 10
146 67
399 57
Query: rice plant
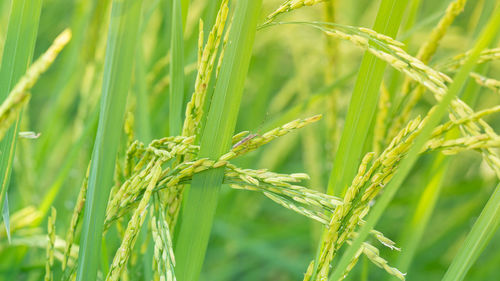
249 140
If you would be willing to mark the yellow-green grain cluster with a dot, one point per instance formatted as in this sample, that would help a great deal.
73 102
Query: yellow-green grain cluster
19 95
365 186
205 66
290 5
134 226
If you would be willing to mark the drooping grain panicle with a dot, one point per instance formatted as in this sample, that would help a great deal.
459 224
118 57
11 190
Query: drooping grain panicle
284 190
281 188
134 226
159 260
429 78
194 109
117 205
19 95
351 265
130 191
51 237
425 53
251 178
390 51
372 253
478 141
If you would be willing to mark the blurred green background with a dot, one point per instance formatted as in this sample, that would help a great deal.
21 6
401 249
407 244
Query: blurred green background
290 76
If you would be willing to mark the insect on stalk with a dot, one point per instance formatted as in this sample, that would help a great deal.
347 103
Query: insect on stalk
244 140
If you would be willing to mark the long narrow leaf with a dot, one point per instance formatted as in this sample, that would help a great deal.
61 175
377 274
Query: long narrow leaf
17 56
122 38
479 236
201 201
363 101
58 101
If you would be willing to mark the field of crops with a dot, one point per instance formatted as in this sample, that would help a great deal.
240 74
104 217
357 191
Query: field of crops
315 140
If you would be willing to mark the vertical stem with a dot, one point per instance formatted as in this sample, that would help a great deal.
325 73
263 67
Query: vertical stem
363 102
17 55
201 202
120 53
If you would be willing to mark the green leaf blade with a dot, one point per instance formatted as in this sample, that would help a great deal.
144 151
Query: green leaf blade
17 55
477 239
363 103
120 51
201 202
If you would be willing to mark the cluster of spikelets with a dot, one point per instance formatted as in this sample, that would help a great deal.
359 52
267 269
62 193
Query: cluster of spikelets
290 5
152 176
